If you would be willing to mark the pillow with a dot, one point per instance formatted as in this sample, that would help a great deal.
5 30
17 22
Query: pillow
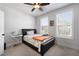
30 32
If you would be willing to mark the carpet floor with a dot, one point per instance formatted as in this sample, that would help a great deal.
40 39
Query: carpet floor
24 50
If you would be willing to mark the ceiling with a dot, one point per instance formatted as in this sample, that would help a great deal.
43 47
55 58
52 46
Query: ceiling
37 12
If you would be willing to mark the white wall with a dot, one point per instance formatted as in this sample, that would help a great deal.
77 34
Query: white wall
15 20
72 43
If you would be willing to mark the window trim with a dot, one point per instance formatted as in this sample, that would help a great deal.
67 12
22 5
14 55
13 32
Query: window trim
66 37
41 26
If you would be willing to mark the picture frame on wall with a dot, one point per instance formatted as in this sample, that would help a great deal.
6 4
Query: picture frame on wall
51 22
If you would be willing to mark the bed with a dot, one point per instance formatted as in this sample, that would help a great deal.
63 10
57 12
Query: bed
40 46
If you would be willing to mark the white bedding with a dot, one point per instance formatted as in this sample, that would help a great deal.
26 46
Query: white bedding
28 38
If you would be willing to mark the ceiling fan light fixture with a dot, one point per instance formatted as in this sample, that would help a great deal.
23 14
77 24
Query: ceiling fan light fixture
36 6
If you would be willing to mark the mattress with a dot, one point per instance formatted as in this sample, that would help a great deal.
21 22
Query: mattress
28 38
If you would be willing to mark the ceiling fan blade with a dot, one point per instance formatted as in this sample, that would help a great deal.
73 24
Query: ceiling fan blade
44 4
40 9
33 9
28 3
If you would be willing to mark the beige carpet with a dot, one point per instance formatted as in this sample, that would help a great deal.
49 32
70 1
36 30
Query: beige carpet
24 50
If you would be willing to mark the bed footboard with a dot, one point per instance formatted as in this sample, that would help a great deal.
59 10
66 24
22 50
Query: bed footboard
44 48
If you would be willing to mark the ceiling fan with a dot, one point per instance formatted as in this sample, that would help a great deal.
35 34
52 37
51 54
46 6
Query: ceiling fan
37 5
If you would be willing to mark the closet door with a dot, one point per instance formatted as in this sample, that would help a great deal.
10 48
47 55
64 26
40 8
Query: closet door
1 32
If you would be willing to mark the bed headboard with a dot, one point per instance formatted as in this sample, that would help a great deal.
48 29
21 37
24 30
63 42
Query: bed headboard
25 30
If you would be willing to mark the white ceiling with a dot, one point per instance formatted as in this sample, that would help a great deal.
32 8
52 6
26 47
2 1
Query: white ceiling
37 12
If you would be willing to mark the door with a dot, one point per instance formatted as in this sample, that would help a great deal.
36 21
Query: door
1 32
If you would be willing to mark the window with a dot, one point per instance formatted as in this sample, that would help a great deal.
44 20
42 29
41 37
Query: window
44 25
64 24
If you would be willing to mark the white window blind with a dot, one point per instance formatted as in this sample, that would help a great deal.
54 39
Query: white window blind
64 24
44 25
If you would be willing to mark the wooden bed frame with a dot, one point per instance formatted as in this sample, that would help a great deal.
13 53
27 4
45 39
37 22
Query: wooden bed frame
44 48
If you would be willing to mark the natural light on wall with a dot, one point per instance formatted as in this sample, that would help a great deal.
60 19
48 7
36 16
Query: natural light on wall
64 24
44 25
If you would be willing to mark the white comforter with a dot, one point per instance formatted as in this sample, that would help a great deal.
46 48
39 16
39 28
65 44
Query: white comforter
28 38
